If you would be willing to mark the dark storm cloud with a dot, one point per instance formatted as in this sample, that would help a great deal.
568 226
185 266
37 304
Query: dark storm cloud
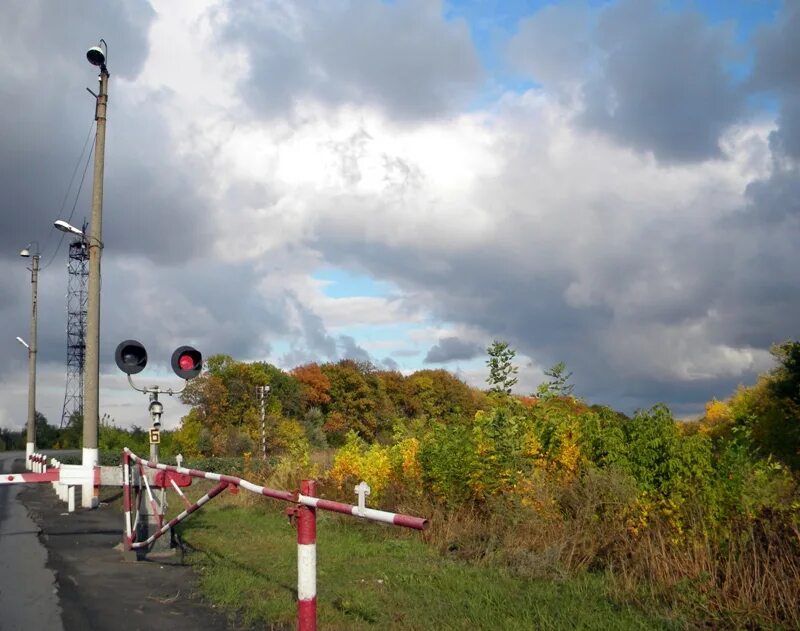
192 304
151 205
666 308
45 111
45 114
451 349
777 69
401 56
651 78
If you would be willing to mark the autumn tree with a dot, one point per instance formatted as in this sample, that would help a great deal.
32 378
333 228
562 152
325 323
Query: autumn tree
316 385
358 401
442 396
225 416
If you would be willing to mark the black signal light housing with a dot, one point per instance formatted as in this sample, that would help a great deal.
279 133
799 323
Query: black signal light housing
131 357
187 362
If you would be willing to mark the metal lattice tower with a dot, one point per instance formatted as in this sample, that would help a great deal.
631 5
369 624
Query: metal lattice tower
76 329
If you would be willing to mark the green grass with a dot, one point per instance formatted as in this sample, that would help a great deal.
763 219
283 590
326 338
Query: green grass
371 576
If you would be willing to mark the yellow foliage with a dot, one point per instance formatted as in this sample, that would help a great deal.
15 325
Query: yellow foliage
378 465
408 451
569 454
291 438
718 412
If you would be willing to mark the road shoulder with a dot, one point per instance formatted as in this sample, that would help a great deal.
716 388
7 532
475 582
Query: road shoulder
99 590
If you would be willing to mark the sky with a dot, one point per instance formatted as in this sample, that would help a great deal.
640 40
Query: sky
611 184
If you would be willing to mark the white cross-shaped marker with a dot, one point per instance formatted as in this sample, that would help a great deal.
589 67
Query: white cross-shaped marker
362 490
179 459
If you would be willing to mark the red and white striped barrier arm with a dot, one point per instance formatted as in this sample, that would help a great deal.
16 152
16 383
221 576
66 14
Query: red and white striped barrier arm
21 478
305 514
153 504
176 520
371 514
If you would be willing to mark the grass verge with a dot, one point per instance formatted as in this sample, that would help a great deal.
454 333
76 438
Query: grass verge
372 576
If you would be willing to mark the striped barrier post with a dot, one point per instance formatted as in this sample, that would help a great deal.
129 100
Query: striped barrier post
307 561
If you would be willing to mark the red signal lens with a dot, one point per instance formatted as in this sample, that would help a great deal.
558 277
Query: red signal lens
186 362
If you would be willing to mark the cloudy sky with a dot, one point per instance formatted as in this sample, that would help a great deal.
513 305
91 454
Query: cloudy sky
613 184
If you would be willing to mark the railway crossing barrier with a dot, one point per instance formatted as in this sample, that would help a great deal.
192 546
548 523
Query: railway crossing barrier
302 515
137 487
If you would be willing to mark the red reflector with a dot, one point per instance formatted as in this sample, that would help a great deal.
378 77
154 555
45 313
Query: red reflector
186 362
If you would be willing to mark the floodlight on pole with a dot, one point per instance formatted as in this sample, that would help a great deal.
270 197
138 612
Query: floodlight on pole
97 55
23 342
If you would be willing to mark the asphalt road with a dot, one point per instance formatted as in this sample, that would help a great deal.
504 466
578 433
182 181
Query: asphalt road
61 571
28 592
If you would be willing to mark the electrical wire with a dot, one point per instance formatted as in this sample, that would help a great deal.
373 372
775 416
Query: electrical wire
77 197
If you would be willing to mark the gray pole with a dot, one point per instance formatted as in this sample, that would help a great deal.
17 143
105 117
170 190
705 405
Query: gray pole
30 447
91 387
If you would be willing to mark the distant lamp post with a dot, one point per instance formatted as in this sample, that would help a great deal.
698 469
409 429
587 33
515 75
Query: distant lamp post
30 447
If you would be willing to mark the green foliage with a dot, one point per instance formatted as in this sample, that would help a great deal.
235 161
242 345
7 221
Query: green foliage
46 435
373 577
559 385
446 457
785 379
501 371
225 418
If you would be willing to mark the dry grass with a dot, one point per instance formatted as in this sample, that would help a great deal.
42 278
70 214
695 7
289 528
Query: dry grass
746 577
749 580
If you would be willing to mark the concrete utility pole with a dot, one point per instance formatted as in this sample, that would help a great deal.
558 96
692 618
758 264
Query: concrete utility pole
91 389
30 446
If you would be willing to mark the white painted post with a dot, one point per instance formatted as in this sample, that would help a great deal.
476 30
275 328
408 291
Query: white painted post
71 499
362 490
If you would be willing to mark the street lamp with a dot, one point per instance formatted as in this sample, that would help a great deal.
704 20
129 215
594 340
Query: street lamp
30 447
97 56
69 228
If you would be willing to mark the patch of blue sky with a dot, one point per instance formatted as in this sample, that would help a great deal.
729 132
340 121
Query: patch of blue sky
339 283
746 15
493 22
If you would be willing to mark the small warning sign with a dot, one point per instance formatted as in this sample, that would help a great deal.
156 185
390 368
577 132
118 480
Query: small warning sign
155 436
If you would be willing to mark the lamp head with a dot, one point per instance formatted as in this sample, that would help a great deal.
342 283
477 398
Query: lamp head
96 56
65 227
25 252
